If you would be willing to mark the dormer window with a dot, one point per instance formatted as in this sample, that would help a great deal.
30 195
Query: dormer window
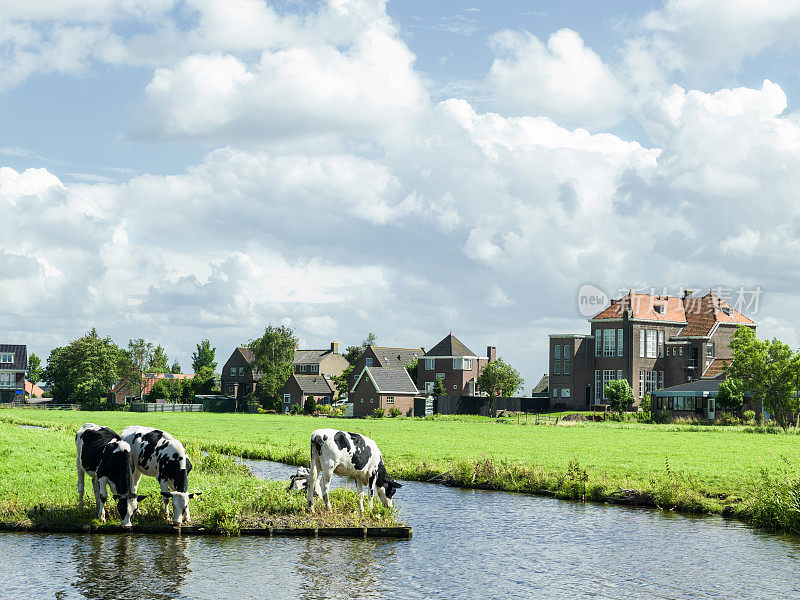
727 310
6 357
369 362
660 308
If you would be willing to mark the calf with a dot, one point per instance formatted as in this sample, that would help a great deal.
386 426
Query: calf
157 454
348 455
299 481
103 455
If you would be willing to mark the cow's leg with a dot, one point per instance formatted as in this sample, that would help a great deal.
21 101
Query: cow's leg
165 488
312 477
137 477
81 475
372 479
360 489
326 486
100 499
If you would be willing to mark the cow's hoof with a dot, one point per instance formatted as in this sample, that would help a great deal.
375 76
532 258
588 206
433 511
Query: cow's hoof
127 527
174 524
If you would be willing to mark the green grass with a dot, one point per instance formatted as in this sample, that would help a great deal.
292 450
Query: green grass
684 467
38 485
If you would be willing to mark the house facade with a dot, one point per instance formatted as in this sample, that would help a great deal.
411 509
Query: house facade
384 388
328 362
383 356
13 365
651 341
239 375
455 364
298 388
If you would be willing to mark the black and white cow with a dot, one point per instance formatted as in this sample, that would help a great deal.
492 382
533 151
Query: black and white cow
299 481
348 455
106 458
157 454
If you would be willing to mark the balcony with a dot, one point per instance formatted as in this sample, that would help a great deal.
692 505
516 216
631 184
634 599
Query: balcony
691 363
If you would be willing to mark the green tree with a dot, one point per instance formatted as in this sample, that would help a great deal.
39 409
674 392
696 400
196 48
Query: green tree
204 356
731 395
34 373
158 363
175 368
353 353
310 405
161 390
274 357
619 394
85 369
769 370
411 367
203 382
438 387
139 353
340 382
498 377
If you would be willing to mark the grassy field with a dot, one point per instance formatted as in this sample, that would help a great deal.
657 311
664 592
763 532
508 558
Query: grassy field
38 486
691 468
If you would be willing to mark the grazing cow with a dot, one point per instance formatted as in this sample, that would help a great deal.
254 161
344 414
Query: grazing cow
348 455
299 480
157 454
106 458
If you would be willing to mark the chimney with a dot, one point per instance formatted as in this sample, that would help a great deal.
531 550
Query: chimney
687 293
491 353
335 347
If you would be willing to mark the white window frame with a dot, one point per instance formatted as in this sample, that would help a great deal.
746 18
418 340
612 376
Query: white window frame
598 381
389 399
652 382
567 351
652 343
661 380
598 342
287 398
429 364
241 371
642 343
233 371
660 342
7 358
566 392
619 374
440 376
428 386
610 342
620 345
302 368
555 392
368 362
642 389
608 377
710 350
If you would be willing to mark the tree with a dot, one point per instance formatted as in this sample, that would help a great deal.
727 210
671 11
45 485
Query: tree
619 394
769 370
731 395
34 374
158 363
310 405
203 382
204 356
411 367
438 387
341 382
274 357
85 370
353 353
175 368
139 353
496 377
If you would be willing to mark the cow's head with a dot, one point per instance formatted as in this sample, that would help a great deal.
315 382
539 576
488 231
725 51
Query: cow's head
127 504
384 486
299 480
180 505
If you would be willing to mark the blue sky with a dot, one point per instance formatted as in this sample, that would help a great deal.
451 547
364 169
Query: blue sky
176 170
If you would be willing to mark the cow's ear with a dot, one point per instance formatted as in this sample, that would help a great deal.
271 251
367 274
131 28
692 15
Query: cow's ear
397 485
188 465
141 497
166 495
195 494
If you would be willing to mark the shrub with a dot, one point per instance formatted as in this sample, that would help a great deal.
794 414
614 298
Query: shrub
378 413
294 409
395 412
724 418
310 406
337 412
324 409
750 416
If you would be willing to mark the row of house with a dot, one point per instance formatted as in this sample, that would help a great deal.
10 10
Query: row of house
667 346
379 378
13 365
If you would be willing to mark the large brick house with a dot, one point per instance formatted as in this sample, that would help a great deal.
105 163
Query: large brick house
13 365
454 363
383 356
299 388
385 388
651 341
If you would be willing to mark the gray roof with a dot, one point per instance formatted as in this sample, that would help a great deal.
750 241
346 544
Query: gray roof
450 346
313 384
543 385
396 357
309 357
391 379
20 352
698 386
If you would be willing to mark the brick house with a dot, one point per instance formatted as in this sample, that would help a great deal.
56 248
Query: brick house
13 365
651 341
456 364
298 388
239 375
327 362
383 387
383 356
124 390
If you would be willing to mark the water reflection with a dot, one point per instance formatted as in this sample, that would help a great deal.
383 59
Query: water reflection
345 568
123 566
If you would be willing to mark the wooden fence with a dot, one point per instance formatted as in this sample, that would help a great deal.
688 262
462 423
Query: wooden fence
165 407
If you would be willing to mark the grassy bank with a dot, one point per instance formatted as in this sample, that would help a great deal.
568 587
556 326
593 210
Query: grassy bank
38 487
729 470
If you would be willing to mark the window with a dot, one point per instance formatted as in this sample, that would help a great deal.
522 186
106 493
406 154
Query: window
241 371
369 362
557 352
609 342
680 351
462 364
661 380
428 386
660 342
389 399
565 392
608 377
371 400
619 374
440 376
7 379
362 400
598 342
467 364
598 384
641 343
659 308
679 403
555 392
651 343
567 351
641 384
429 364
313 368
652 381
557 367
6 357
455 387
287 398
233 371
710 350
302 368
619 342
566 367
230 390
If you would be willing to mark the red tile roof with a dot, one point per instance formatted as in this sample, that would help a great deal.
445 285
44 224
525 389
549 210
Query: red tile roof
715 369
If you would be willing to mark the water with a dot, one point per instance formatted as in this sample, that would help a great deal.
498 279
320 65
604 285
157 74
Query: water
466 544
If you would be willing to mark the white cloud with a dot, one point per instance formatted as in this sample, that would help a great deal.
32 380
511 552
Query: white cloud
563 80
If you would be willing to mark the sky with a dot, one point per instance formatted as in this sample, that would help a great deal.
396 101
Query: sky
185 169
